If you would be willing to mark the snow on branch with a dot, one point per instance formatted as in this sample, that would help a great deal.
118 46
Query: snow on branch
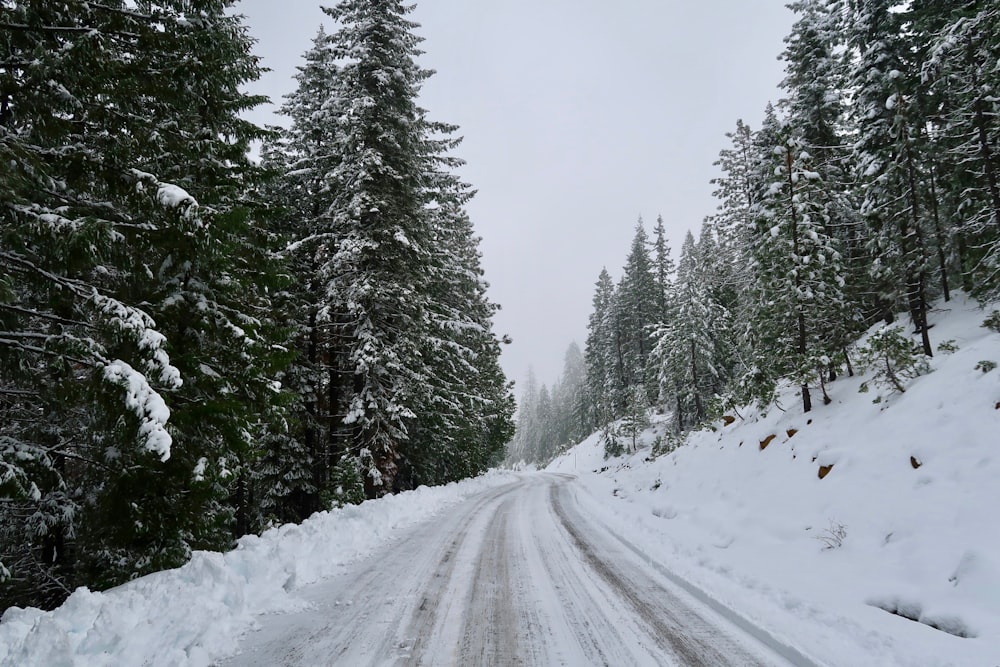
147 405
141 326
170 196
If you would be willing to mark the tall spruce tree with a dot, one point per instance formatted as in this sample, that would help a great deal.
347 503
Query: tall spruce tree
663 271
686 352
399 379
638 305
814 116
890 153
601 353
465 419
799 288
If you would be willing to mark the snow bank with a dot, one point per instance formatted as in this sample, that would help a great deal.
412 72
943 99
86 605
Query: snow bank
893 558
196 613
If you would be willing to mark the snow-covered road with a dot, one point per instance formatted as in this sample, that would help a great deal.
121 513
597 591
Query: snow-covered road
516 575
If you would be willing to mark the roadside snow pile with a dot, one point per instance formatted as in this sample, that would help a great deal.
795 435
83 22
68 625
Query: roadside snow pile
891 558
196 613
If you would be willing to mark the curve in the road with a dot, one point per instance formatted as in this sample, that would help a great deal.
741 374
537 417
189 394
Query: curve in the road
515 576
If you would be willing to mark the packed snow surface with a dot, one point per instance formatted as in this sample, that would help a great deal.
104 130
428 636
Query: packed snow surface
196 613
893 558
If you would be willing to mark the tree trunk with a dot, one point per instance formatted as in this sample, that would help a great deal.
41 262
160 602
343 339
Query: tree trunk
916 292
699 408
939 235
822 385
988 167
850 368
806 398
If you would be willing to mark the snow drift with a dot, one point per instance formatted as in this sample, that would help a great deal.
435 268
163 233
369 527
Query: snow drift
196 613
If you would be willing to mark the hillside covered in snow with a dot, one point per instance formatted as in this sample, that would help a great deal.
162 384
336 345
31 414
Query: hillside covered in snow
864 532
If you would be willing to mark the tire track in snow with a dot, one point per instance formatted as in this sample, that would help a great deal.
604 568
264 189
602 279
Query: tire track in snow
427 621
515 576
490 633
677 627
379 611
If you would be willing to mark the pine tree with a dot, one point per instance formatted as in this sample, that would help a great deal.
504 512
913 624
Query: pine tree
524 444
639 302
687 348
890 156
569 399
815 117
300 473
545 445
963 73
126 192
399 375
726 268
375 289
738 190
601 354
799 289
663 271
635 418
466 419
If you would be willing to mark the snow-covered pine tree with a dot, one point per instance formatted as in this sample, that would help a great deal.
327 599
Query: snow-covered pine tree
72 356
663 271
601 353
639 302
525 440
300 473
465 420
113 115
738 190
890 154
686 352
960 44
814 114
568 399
399 372
203 267
726 266
634 420
545 445
375 282
713 261
799 287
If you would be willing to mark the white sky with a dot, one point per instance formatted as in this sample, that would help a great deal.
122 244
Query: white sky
578 116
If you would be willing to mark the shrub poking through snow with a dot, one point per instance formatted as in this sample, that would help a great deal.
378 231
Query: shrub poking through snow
993 321
893 359
947 346
986 365
666 443
612 443
833 537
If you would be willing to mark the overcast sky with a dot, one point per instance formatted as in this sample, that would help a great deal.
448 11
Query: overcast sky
578 116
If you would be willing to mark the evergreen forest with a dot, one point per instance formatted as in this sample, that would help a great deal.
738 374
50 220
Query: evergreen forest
196 344
871 188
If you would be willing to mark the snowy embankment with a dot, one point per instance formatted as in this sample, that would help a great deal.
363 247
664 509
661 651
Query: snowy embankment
892 558
196 613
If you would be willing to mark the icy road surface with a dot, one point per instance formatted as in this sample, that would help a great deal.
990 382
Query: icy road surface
513 576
